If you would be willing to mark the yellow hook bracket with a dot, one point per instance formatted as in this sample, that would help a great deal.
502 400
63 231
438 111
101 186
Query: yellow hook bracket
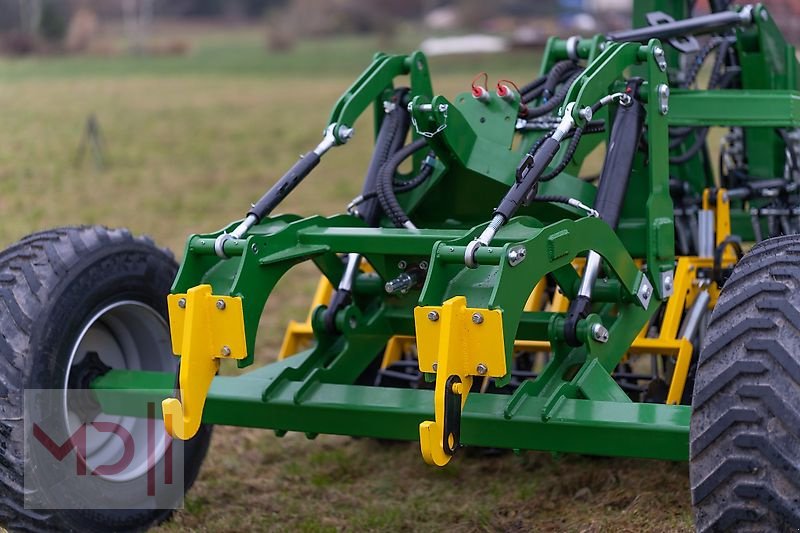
456 342
205 328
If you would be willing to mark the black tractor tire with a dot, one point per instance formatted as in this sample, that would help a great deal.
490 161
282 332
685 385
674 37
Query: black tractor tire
57 288
745 426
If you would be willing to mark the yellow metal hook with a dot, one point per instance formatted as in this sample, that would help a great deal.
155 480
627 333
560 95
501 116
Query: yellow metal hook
458 342
205 328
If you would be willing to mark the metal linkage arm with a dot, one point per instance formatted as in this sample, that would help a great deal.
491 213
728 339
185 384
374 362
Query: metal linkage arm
367 89
703 24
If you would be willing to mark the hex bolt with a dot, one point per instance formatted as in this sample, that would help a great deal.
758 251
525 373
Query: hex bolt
646 292
221 304
477 318
668 283
182 303
423 265
433 316
481 369
599 333
225 351
254 248
402 265
435 366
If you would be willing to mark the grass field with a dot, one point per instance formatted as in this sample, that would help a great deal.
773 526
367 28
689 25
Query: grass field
190 141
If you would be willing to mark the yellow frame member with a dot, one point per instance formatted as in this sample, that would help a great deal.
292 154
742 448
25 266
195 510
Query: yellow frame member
204 328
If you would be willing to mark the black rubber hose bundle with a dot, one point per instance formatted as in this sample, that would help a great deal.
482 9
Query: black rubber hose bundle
555 101
385 184
556 75
391 136
715 81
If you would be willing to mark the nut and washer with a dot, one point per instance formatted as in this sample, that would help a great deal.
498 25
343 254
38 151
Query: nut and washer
477 318
433 316
221 304
481 369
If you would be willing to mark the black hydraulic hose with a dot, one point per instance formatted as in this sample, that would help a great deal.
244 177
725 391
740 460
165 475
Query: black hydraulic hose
700 59
391 135
536 84
401 186
715 81
568 155
690 152
556 76
385 189
555 101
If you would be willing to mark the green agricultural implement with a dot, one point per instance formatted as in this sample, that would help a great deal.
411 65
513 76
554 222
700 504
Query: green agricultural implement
498 295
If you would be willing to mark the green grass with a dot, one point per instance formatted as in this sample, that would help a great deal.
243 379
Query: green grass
190 142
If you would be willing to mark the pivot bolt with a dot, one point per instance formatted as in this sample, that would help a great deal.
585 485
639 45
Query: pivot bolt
481 369
225 351
586 113
477 318
658 54
516 255
599 333
182 303
221 304
433 316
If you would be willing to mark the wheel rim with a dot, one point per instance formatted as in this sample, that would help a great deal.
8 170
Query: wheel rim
125 335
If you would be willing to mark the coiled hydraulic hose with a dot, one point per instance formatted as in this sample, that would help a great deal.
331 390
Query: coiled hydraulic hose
385 185
556 100
390 138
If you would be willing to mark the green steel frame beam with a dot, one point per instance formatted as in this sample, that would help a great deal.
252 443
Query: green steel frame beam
730 107
493 420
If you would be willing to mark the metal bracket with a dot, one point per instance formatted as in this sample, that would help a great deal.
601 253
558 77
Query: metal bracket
455 341
205 328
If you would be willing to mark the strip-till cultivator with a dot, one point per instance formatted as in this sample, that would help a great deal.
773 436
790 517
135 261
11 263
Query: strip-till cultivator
500 296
